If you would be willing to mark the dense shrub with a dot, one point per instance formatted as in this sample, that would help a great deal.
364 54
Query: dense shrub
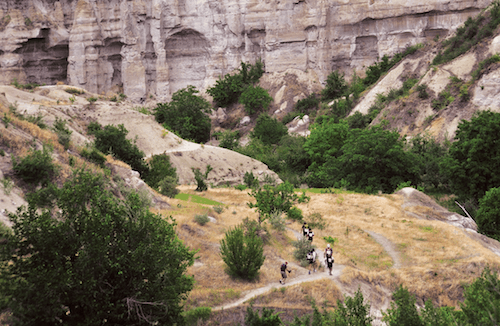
255 99
93 155
159 168
250 180
112 139
229 139
302 247
307 104
201 219
336 86
196 315
168 186
242 253
37 167
488 214
269 130
268 317
94 243
403 311
186 115
472 165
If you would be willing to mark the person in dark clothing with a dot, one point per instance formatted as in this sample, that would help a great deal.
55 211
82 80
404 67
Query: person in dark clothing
305 229
284 268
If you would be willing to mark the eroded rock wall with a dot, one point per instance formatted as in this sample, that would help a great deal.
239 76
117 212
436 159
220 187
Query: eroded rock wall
155 47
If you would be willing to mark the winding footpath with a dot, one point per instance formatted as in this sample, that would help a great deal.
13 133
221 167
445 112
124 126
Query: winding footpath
336 272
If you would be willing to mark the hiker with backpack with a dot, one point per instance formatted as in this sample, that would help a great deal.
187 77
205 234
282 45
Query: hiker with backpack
310 235
329 258
305 229
284 268
311 257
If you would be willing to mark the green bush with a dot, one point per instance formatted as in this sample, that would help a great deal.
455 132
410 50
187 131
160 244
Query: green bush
240 187
403 311
250 180
112 139
242 253
277 222
93 155
255 99
168 186
252 317
218 209
186 115
307 104
37 167
63 133
302 247
229 139
159 168
268 129
201 178
201 219
94 243
422 91
295 213
195 315
336 86
488 214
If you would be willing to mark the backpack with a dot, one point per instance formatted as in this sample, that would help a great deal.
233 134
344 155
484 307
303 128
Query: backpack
329 253
283 267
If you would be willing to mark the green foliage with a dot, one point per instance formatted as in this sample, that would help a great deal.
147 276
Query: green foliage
482 301
252 317
429 155
336 86
227 90
168 186
277 221
229 139
195 315
218 209
7 185
200 178
269 130
74 91
316 221
444 99
28 86
422 91
201 219
92 99
472 165
62 132
242 253
302 247
270 199
469 35
93 155
37 167
488 214
352 311
295 213
250 180
240 187
186 114
112 140
403 311
255 99
483 65
363 160
307 104
94 243
159 168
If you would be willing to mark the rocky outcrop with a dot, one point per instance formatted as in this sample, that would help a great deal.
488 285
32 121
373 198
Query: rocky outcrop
144 48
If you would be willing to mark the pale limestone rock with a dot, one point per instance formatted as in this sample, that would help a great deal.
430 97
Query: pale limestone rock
160 46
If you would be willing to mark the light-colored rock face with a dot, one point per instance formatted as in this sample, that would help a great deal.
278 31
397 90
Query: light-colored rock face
159 46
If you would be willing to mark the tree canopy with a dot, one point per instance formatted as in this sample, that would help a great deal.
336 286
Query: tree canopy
186 114
92 258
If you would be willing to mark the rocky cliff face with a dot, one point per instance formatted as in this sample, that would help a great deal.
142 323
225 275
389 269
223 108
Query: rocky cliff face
156 47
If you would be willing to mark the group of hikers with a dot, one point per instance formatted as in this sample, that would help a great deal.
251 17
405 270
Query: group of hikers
311 256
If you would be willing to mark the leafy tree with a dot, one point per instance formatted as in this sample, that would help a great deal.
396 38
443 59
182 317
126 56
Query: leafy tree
94 259
372 159
37 167
268 129
112 139
255 99
200 178
482 301
272 199
242 253
473 165
403 311
434 316
352 311
488 214
159 168
186 114
307 104
430 154
250 180
336 86
252 317
168 186
229 139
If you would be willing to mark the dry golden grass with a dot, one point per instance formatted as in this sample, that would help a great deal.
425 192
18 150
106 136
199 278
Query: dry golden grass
437 259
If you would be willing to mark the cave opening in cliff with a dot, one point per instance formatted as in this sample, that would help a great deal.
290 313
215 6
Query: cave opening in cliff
111 64
187 54
43 63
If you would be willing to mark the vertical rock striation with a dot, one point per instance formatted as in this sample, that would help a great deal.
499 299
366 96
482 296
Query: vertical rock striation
144 47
